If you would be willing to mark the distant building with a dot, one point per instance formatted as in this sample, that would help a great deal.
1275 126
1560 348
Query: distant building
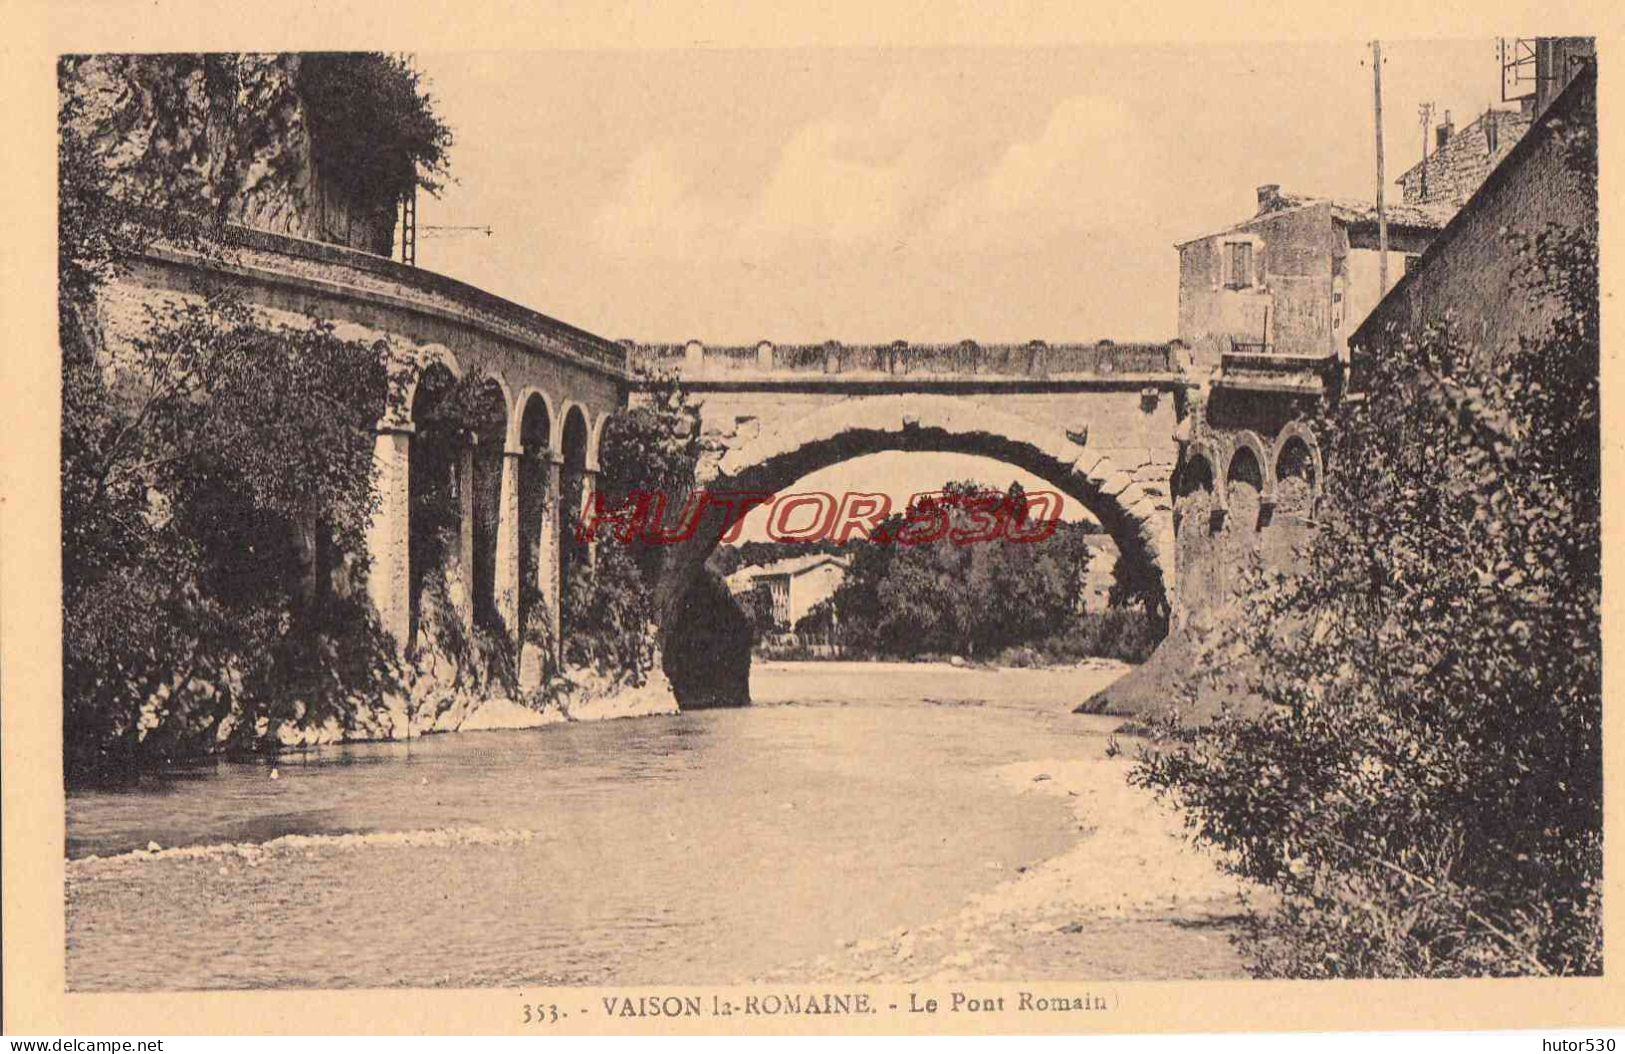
1294 279
795 585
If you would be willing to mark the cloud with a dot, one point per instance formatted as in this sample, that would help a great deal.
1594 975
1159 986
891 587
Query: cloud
823 189
893 172
656 213
846 180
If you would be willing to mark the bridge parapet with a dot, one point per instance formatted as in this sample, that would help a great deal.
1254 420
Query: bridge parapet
965 359
334 272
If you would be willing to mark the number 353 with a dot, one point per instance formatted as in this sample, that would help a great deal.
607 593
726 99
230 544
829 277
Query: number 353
541 1013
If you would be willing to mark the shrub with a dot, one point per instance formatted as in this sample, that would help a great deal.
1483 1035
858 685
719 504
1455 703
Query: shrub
1425 792
1127 634
610 611
651 448
211 489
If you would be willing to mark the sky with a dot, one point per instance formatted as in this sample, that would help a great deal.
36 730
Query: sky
999 194
879 194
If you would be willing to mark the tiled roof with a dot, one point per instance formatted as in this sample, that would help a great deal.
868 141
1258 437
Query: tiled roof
792 566
1348 211
1400 214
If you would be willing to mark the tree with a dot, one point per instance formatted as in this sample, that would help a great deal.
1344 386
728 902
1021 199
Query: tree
214 502
648 449
373 124
941 579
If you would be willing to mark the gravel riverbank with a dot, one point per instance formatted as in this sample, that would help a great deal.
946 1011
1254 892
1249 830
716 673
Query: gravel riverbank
1131 898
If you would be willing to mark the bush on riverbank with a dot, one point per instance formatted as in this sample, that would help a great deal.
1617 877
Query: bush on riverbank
1125 634
1425 792
651 448
216 467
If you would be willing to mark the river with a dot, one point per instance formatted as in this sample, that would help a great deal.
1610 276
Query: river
850 805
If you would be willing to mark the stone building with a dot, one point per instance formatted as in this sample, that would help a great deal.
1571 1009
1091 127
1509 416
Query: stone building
1461 160
1469 274
795 585
1293 279
1534 73
1266 309
1247 488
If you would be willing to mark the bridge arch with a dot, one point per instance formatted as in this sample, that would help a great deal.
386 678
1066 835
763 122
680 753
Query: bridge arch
1202 469
485 502
435 485
423 361
1298 432
574 441
595 440
533 401
537 500
1137 515
569 411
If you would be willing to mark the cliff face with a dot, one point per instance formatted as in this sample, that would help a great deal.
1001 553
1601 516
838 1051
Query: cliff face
221 136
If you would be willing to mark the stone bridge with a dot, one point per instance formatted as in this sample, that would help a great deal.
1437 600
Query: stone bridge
1183 472
1095 421
1195 473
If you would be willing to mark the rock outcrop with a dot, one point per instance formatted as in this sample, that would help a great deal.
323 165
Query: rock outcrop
706 650
224 137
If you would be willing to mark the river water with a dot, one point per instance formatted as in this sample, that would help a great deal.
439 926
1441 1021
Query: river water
699 848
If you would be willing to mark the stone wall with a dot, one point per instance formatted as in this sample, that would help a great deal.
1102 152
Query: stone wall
1469 275
1035 359
535 363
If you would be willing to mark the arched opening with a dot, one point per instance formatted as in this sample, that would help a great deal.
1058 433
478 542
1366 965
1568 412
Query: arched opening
1193 477
1296 480
434 498
774 463
535 574
573 474
1244 488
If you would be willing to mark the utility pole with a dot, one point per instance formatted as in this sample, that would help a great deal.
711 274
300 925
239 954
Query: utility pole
409 228
1382 214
